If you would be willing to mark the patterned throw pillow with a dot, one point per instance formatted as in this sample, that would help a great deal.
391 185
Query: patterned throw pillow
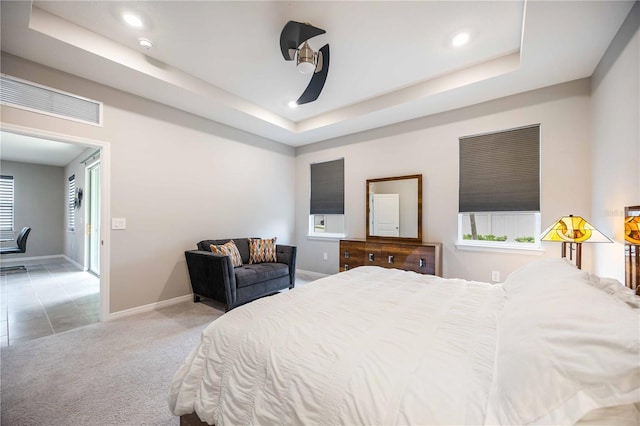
229 249
261 250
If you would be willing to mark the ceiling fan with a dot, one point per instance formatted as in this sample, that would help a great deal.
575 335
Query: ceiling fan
294 46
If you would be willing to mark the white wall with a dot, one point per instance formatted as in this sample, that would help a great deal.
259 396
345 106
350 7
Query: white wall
615 104
175 177
39 197
429 146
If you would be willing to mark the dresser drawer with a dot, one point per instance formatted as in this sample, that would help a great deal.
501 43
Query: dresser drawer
373 254
411 258
351 254
422 258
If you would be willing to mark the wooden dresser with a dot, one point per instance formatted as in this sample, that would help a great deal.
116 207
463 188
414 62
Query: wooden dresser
424 258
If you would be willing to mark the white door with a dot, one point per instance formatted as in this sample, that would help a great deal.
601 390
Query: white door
93 222
386 215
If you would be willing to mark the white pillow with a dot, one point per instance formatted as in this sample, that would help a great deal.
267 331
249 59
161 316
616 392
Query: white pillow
541 270
565 348
615 289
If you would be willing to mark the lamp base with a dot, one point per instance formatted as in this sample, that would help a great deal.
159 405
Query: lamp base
632 266
570 248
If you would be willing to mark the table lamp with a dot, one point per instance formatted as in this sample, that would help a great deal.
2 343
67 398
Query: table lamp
571 230
632 247
632 229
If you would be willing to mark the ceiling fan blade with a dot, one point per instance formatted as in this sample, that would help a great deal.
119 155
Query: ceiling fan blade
294 34
316 84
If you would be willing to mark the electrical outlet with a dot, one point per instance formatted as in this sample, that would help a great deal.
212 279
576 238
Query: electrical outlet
325 256
495 276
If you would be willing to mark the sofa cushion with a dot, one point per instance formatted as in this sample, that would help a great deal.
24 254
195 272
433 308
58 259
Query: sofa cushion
258 272
262 250
228 249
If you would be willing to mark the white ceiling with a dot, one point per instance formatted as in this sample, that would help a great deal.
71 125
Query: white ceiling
25 149
391 61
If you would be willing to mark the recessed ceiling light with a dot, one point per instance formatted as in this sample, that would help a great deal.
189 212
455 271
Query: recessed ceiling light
145 43
293 104
132 20
460 39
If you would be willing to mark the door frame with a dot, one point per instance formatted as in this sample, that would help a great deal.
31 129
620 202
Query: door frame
105 195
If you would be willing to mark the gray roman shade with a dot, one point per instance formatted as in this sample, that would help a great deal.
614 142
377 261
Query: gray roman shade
327 187
500 171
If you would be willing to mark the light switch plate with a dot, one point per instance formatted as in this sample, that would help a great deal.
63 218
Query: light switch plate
118 223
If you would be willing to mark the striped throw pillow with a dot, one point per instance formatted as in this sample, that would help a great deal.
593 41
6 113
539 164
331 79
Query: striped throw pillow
229 249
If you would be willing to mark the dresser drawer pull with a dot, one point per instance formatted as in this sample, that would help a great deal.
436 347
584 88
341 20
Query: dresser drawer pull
371 257
346 254
390 259
346 266
423 263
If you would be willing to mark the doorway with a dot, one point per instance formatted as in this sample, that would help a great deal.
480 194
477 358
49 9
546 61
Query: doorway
102 238
92 236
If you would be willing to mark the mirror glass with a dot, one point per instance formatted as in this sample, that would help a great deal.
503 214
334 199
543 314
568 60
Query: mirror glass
394 208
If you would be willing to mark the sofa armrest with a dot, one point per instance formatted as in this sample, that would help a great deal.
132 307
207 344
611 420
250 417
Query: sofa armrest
287 254
212 276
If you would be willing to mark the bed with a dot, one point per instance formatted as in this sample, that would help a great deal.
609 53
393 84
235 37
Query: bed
550 345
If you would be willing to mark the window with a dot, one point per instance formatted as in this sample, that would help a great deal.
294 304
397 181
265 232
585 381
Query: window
499 189
71 224
6 204
326 207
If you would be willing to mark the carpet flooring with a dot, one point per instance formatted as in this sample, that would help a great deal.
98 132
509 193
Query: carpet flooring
112 373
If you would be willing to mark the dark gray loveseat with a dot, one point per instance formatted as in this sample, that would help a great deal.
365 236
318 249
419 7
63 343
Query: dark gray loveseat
213 276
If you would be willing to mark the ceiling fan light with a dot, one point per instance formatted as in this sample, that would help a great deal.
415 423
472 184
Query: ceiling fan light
305 61
306 67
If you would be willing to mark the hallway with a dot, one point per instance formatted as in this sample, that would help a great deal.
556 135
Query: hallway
51 297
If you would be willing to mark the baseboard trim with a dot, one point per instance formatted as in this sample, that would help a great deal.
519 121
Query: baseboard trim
315 275
76 264
149 307
24 259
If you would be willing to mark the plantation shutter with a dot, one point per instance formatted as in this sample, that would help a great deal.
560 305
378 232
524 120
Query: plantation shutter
500 171
327 187
72 202
6 203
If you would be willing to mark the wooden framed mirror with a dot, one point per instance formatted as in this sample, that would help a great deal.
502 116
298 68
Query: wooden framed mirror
394 209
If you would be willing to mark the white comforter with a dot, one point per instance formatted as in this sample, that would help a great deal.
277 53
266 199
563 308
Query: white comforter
421 350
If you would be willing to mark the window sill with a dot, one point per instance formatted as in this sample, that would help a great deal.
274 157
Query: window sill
326 236
500 248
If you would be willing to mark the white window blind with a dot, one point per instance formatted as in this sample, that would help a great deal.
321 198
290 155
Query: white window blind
72 203
6 203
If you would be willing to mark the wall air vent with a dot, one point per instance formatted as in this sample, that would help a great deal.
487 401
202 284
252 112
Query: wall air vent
34 97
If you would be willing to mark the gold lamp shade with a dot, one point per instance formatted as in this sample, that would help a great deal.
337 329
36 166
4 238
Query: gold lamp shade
632 229
573 229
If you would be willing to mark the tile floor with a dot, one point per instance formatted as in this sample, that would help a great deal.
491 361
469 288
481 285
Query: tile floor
52 296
